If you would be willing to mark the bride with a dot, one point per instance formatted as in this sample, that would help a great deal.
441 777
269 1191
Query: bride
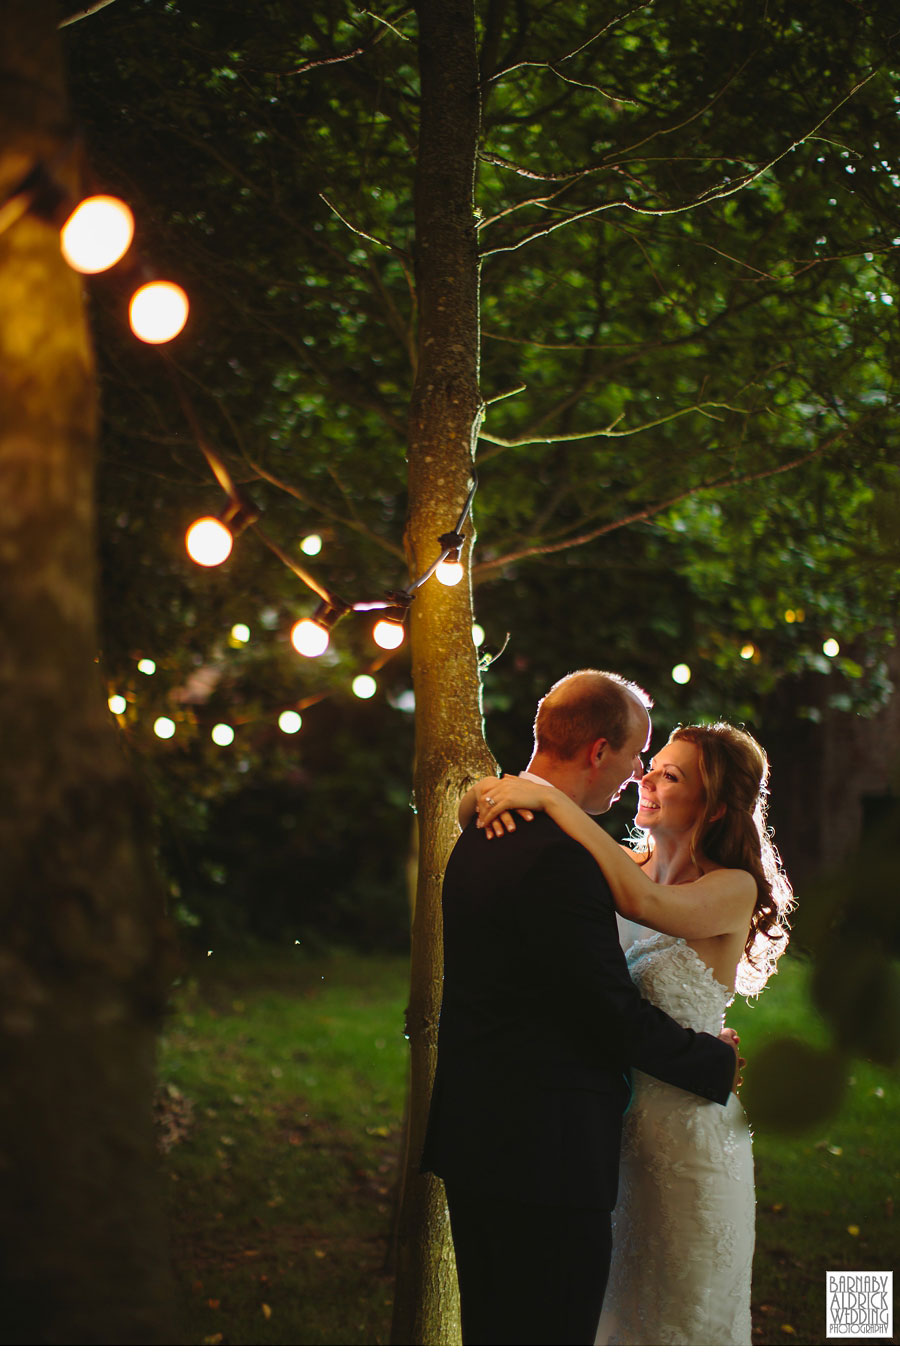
705 902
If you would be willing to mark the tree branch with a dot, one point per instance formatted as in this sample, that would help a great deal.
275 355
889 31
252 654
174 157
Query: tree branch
645 513
715 193
506 443
324 511
357 51
548 65
373 239
83 13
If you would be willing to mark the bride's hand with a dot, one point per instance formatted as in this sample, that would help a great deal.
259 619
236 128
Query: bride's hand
497 798
732 1040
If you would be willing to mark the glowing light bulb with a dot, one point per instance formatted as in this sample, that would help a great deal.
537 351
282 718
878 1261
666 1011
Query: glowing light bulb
158 312
147 666
310 639
311 545
240 633
681 673
364 687
477 635
222 734
117 704
164 728
290 721
790 616
97 234
831 647
388 634
208 542
449 573
747 651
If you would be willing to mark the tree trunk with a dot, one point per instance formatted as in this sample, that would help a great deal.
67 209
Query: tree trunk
82 939
450 747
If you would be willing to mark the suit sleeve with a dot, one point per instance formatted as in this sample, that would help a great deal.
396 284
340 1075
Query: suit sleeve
588 964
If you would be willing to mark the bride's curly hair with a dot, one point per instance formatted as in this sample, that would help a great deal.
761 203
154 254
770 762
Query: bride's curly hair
734 770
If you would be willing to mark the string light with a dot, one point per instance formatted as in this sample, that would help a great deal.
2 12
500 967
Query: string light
158 312
477 635
748 651
97 234
449 571
117 704
831 647
681 673
388 634
94 236
208 541
164 728
311 637
222 734
146 666
290 721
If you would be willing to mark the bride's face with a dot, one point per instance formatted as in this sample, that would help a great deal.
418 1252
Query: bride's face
671 792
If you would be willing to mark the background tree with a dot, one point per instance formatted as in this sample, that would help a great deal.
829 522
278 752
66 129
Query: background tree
688 264
84 1256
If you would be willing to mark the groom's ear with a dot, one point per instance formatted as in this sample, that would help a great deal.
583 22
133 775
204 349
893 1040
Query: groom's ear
596 751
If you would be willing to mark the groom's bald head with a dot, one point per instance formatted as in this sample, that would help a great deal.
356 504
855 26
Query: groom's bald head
586 705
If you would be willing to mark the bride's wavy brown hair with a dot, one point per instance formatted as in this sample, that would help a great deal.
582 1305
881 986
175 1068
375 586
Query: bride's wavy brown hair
734 770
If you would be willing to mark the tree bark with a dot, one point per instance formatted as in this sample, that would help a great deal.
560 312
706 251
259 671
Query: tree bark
82 940
450 749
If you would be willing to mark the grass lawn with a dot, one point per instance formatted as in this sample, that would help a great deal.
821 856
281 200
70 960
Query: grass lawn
283 1087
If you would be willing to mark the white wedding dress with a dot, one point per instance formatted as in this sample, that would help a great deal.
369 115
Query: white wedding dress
683 1229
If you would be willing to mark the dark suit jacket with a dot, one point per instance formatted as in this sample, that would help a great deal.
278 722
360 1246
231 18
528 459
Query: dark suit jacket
540 1023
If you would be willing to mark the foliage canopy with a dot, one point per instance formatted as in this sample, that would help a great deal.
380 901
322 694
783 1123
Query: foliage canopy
689 283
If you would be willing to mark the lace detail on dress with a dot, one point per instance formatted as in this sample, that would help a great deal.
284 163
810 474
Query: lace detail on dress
683 1229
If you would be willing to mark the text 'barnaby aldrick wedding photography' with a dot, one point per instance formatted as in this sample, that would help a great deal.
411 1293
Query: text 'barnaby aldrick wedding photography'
859 1305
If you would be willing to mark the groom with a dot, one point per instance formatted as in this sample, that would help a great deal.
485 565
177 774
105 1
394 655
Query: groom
540 1023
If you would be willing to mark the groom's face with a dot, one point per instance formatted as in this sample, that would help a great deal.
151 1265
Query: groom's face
616 769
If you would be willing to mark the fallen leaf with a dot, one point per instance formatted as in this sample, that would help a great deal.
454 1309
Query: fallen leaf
788 1328
853 1230
320 1253
213 1303
267 1311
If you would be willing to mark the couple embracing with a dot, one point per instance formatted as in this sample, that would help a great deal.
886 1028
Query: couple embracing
547 1034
